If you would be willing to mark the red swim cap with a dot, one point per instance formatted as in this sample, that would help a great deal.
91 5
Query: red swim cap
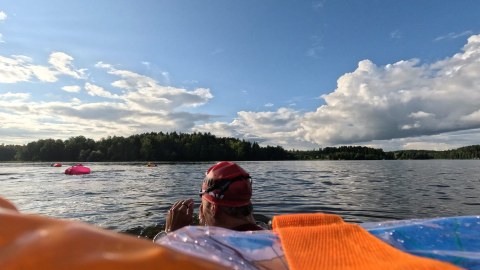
227 184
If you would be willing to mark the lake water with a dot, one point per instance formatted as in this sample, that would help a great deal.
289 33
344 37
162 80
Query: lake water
120 196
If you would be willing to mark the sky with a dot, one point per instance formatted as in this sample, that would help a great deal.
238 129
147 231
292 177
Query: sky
299 74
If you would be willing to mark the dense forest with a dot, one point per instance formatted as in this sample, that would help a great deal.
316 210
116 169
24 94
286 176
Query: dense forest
467 152
366 153
201 147
143 147
344 153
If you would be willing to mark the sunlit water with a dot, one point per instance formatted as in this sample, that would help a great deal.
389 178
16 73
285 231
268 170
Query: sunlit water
120 196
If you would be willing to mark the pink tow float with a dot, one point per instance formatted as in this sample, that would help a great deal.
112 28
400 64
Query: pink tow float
77 169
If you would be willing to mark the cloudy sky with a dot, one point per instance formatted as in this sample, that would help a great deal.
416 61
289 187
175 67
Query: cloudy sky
300 74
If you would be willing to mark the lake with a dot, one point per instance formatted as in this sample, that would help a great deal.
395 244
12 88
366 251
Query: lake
120 196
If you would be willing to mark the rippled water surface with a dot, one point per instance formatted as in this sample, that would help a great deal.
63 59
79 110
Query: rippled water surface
125 195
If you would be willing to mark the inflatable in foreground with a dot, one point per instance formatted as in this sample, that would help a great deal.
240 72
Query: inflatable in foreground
298 241
455 240
38 242
450 239
77 169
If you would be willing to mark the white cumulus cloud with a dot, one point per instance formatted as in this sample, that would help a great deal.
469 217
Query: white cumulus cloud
145 92
134 103
95 90
18 68
280 127
62 62
379 104
14 97
71 88
403 99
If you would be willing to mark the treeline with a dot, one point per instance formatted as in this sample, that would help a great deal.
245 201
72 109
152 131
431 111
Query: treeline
467 152
201 147
143 147
366 153
344 153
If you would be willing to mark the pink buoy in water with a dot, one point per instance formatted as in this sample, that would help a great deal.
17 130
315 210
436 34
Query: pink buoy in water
56 165
78 169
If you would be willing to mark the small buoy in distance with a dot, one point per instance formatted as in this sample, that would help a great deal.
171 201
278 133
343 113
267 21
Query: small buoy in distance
77 169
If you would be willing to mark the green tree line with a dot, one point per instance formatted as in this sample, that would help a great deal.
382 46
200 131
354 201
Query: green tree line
367 153
343 153
467 152
143 147
201 147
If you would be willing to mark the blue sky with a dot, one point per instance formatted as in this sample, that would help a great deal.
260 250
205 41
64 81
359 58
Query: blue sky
300 74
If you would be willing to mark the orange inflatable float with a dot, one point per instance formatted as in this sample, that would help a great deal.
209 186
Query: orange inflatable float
36 242
310 241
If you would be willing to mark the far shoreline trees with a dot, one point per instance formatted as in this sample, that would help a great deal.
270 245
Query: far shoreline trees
143 147
159 146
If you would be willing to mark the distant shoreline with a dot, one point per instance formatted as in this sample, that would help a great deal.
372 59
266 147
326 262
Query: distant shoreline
198 147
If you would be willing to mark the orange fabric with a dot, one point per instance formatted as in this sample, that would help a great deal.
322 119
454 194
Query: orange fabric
324 241
35 242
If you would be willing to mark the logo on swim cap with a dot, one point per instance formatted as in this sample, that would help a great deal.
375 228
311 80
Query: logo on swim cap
227 184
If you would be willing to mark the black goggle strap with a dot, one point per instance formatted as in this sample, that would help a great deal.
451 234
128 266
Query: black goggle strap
223 184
